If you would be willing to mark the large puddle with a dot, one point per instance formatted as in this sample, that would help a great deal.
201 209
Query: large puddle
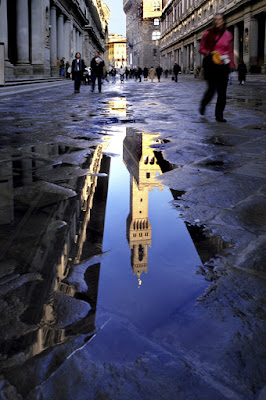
87 238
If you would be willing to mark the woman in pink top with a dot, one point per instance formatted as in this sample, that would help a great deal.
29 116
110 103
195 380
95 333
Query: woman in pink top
217 40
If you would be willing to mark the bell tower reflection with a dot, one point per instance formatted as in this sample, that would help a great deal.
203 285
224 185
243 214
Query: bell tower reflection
143 167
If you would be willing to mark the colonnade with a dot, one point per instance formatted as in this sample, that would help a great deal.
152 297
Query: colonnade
36 34
249 44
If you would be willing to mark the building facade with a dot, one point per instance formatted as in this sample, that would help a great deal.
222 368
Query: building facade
38 33
117 50
143 32
183 23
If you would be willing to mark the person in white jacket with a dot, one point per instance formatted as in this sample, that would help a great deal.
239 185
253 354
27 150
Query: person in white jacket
121 72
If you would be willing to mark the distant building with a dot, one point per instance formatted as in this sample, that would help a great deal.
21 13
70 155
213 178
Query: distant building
143 32
184 22
117 50
38 33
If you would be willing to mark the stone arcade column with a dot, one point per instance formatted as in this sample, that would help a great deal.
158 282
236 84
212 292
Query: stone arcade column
3 26
253 42
263 68
37 38
8 67
236 44
23 67
67 41
60 37
78 42
74 42
53 42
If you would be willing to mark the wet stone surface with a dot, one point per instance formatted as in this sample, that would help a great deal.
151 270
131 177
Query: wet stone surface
132 243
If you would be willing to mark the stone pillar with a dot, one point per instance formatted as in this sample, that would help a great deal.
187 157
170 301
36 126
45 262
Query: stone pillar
77 42
60 37
263 68
74 42
67 51
37 41
236 44
3 26
23 66
2 63
253 43
53 42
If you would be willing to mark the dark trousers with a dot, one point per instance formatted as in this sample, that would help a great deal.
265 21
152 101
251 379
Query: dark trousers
176 75
217 81
93 80
77 76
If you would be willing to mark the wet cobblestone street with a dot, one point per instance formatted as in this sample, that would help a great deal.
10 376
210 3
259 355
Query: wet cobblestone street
132 242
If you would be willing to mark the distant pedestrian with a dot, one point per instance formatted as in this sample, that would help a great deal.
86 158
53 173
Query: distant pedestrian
78 67
127 72
145 73
139 73
166 72
176 71
217 42
152 73
242 71
121 72
58 63
62 66
68 70
113 74
159 72
97 66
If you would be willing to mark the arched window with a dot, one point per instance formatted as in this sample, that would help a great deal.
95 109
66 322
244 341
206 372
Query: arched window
156 35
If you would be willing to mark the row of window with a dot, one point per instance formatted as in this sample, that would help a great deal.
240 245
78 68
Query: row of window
140 234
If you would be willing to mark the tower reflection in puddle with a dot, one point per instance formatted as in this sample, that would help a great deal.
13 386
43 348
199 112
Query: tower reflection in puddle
143 167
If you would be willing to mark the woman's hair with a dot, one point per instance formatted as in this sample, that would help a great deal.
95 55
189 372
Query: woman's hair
221 16
77 53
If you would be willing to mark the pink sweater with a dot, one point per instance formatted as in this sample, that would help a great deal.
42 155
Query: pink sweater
223 46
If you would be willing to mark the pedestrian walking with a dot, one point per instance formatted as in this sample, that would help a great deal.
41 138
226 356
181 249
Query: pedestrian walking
62 66
152 73
121 72
97 66
242 71
139 73
216 44
176 71
68 69
78 67
145 73
159 72
127 72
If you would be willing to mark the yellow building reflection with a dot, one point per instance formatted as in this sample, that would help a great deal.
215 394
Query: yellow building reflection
118 107
143 167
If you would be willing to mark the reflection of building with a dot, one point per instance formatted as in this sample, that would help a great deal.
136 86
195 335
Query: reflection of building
117 50
118 106
57 234
143 32
143 168
183 24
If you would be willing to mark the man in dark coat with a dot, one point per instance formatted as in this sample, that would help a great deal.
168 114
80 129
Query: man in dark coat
97 66
176 71
78 67
159 72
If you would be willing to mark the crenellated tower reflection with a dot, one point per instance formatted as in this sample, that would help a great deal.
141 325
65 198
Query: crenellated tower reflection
143 167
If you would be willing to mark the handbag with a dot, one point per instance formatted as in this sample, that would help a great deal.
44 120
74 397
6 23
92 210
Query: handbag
208 63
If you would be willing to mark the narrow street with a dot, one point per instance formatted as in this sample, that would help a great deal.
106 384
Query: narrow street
132 242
